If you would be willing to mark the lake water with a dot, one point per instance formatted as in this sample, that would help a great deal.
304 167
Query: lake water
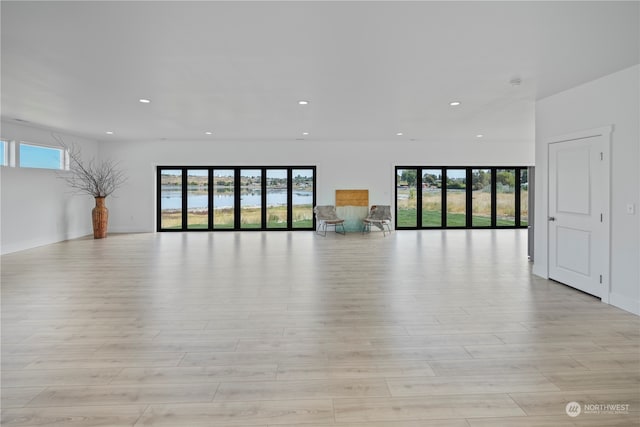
172 199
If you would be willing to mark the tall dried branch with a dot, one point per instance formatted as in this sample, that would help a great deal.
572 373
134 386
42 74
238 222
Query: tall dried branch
98 179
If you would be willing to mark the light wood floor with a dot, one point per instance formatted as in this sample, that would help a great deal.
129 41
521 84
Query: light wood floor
431 328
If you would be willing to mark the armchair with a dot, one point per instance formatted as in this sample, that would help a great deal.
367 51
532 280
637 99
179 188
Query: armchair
326 216
380 216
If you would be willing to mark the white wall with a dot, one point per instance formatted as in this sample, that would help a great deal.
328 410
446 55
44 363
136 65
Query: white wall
610 100
340 165
37 208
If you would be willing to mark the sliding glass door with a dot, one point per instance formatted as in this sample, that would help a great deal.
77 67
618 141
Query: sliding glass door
223 199
456 197
197 198
277 203
302 198
461 197
235 198
506 197
481 200
431 197
170 199
250 198
406 197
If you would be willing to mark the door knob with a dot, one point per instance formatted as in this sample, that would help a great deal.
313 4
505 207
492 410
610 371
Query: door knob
552 218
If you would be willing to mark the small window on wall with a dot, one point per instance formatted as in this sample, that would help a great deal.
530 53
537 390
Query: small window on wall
4 152
39 156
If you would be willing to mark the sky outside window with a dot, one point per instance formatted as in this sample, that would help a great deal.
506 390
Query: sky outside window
34 156
3 152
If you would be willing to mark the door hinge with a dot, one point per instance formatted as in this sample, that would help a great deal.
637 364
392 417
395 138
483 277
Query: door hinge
601 278
600 217
601 156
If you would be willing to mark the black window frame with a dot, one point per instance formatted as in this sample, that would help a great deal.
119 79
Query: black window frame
237 195
469 193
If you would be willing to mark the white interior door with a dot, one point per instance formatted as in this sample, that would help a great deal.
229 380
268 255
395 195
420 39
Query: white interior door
578 202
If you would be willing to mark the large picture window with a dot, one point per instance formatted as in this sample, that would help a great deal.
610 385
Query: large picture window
461 197
235 198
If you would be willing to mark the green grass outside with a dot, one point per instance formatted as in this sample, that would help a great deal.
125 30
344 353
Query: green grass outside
407 218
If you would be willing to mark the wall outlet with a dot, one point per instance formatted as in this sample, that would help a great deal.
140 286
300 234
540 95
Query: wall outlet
631 209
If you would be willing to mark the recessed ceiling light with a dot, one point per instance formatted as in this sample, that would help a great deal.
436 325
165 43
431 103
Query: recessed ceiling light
303 102
455 103
305 133
399 134
109 132
479 135
208 133
144 100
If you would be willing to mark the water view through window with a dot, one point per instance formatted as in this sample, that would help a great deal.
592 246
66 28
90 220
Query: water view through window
239 198
197 198
223 199
171 198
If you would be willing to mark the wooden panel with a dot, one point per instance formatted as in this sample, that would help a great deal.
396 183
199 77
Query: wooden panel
352 198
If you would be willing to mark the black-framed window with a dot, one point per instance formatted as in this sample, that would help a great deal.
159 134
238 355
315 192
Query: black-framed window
461 197
212 198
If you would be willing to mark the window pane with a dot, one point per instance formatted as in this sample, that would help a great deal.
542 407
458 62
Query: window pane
456 198
34 156
302 188
3 153
250 198
407 196
171 199
223 198
197 198
524 197
481 197
276 198
432 198
505 197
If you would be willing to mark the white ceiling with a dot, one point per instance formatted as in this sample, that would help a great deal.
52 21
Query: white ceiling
369 69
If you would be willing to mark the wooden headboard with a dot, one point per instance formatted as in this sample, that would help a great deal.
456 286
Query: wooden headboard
352 198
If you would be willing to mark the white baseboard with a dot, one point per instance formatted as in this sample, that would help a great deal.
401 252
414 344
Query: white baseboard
539 271
8 248
625 303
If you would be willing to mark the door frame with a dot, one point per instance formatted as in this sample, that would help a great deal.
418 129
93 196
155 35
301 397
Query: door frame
604 132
